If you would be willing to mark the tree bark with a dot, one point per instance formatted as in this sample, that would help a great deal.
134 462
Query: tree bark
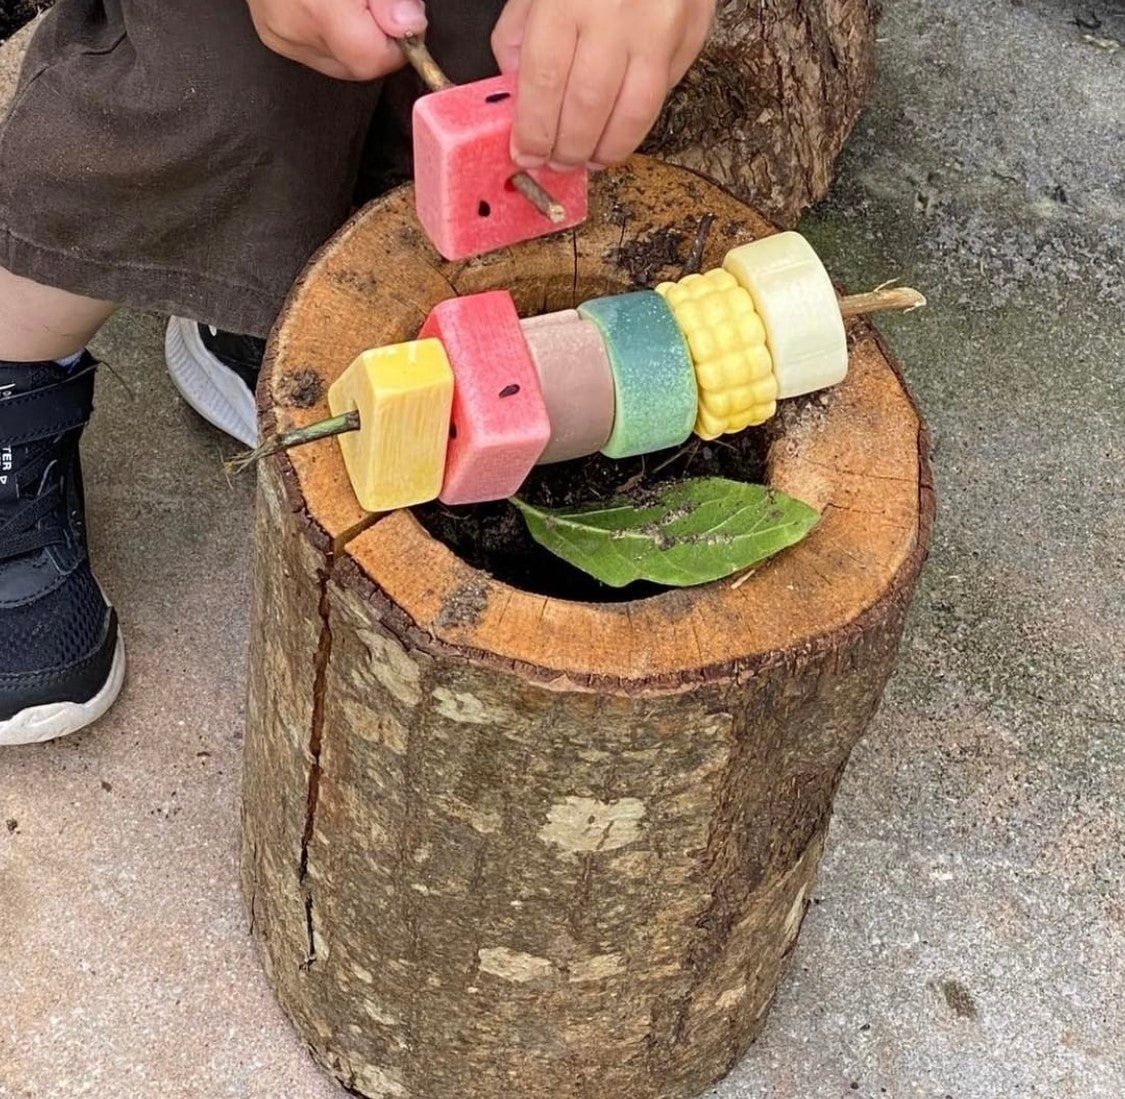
768 107
497 844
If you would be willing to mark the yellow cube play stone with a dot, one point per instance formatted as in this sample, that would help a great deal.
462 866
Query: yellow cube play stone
404 396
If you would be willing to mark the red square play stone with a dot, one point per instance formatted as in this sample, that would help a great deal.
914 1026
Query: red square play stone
499 426
462 173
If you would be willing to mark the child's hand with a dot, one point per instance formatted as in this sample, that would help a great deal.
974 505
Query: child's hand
346 39
594 74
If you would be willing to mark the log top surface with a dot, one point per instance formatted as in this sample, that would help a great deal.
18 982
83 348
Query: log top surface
859 456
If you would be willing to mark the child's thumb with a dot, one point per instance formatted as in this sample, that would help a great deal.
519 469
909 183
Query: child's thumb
508 35
398 17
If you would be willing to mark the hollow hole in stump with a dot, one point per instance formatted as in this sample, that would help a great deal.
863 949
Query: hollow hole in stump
494 538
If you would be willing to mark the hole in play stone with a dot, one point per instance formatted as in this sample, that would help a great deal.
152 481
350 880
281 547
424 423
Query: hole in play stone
484 209
497 97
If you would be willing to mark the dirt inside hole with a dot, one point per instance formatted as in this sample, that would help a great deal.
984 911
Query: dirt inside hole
494 537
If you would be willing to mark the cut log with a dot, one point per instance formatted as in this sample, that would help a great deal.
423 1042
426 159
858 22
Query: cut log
768 107
498 844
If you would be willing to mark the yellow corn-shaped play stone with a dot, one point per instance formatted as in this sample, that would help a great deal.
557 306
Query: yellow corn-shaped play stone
737 388
404 396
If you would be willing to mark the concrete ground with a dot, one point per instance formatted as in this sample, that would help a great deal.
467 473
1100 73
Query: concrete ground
967 938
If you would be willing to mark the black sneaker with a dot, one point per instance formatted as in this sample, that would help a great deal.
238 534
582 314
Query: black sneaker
62 662
216 372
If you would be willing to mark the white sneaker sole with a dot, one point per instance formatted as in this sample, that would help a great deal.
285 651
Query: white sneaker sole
212 389
39 723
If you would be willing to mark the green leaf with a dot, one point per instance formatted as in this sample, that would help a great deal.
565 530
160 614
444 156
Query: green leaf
688 533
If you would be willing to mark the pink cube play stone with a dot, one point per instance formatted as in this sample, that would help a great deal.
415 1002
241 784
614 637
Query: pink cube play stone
499 425
574 370
463 171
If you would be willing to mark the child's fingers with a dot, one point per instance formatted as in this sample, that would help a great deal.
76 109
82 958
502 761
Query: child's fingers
507 37
353 38
698 30
311 56
596 80
399 17
637 108
544 68
344 39
316 60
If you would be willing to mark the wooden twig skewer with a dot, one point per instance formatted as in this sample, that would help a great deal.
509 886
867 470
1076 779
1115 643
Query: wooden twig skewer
418 54
539 197
432 76
324 429
883 299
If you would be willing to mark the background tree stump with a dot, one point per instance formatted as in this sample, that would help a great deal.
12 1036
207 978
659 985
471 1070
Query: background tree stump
503 845
768 107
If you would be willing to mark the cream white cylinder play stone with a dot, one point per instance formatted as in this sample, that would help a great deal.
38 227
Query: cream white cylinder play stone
797 303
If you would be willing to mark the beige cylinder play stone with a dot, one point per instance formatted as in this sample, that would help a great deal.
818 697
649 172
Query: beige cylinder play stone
504 846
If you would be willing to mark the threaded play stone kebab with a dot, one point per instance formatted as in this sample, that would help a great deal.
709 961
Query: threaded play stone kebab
466 411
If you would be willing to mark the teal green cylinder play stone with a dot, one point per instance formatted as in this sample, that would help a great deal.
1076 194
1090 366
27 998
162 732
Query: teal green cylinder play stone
653 375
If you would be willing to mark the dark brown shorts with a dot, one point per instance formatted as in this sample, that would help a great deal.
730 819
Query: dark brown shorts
158 155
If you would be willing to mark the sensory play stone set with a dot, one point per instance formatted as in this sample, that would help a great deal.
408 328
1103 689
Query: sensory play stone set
466 411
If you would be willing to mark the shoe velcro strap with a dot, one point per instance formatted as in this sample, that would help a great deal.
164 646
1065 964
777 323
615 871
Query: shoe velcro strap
49 411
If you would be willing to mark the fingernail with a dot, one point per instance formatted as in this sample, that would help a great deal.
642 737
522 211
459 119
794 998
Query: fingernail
409 14
524 160
556 166
594 166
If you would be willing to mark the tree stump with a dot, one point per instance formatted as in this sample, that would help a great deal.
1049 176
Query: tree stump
498 844
769 105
